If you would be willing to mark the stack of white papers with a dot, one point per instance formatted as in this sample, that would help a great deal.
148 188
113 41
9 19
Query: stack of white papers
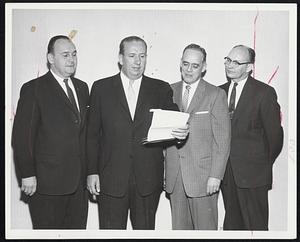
163 122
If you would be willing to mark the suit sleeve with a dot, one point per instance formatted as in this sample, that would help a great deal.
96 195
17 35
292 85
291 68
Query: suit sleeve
93 131
270 115
221 129
25 129
167 97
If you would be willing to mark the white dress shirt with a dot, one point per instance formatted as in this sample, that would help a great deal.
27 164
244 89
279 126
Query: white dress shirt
192 90
63 85
239 89
136 87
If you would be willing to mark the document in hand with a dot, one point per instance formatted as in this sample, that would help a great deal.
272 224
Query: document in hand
163 122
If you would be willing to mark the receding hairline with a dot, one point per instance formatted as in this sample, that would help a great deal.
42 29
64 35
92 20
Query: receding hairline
250 52
199 51
67 40
192 49
137 41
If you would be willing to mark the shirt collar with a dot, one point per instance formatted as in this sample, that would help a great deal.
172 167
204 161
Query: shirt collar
58 78
125 79
240 83
193 85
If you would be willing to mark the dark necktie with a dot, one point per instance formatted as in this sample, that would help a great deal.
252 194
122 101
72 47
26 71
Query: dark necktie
232 100
72 98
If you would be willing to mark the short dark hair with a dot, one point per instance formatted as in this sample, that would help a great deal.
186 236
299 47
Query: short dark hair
251 52
130 39
196 47
51 45
53 40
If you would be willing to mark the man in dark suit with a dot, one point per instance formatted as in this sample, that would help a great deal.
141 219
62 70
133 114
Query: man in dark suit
256 141
128 173
49 141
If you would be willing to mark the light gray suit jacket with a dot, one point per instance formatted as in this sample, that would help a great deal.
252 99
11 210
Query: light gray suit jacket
205 152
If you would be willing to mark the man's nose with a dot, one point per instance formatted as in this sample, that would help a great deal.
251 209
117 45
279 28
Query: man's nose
137 60
71 58
189 67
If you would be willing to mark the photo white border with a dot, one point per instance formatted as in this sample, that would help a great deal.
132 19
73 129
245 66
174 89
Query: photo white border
97 234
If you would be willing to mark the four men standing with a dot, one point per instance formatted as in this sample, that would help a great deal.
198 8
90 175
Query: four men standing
50 135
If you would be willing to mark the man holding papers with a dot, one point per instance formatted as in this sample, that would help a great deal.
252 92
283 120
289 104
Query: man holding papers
195 166
126 174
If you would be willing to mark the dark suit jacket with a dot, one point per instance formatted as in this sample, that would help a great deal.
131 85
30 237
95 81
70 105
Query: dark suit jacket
48 139
256 135
114 140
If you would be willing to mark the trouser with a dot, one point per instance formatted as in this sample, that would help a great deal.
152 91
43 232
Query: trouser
113 211
59 211
245 208
193 213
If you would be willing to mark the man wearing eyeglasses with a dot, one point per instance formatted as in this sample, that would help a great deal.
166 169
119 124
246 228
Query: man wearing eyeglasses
257 139
195 167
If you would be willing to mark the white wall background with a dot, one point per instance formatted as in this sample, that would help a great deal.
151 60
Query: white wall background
166 32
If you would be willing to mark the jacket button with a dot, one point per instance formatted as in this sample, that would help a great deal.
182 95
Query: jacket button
76 121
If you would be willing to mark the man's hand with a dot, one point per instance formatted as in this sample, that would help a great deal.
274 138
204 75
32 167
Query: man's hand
181 133
93 185
29 185
213 185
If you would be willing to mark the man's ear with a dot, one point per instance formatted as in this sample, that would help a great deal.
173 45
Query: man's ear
204 67
121 59
250 67
50 58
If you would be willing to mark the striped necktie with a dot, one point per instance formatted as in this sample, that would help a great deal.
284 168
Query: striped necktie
185 98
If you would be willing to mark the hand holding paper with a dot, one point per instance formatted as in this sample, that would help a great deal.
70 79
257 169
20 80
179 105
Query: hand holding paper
167 125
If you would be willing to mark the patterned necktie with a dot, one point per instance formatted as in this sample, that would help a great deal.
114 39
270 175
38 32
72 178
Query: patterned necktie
232 100
131 99
72 98
185 98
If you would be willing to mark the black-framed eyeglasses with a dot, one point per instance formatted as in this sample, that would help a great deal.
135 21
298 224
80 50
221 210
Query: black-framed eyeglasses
234 63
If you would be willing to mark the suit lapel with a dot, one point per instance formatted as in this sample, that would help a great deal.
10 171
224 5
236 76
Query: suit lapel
198 95
144 95
244 99
177 89
120 94
80 98
226 87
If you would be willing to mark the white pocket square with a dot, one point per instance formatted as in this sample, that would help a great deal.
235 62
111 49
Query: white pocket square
202 112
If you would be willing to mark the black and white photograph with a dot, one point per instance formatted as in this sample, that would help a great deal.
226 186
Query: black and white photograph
150 120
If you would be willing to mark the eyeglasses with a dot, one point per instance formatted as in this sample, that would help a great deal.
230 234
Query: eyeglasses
234 63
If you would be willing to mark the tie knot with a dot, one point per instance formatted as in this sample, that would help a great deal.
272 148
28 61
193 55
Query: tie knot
66 81
188 87
235 84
